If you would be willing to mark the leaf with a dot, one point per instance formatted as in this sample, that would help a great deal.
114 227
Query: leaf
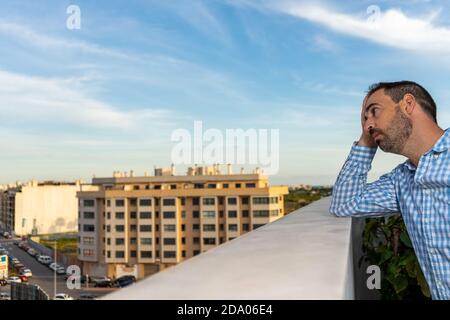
423 284
404 237
400 283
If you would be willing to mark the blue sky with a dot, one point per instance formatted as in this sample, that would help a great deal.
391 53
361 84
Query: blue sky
74 103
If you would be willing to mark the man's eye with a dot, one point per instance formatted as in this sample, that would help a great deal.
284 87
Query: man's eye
375 112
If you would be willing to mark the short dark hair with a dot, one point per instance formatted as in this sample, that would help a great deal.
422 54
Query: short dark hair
397 90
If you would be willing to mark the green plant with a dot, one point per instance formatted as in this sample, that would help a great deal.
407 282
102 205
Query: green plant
386 243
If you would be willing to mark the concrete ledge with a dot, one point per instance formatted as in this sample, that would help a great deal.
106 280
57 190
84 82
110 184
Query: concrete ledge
305 255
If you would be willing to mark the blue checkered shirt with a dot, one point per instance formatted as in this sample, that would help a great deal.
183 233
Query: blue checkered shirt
421 195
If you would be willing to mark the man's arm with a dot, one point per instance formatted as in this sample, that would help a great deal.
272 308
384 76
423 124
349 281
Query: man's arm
353 196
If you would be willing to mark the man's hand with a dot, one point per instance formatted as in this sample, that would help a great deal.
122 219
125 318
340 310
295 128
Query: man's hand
366 139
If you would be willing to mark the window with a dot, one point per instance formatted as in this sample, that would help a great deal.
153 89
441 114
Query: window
88 241
88 203
183 240
264 213
173 186
133 215
169 227
209 227
226 185
145 202
195 214
250 185
120 241
88 215
220 201
146 241
256 226
157 202
183 201
245 200
232 227
120 254
208 201
146 254
169 214
232 214
168 202
133 201
170 254
183 214
209 214
196 240
108 203
196 252
245 213
133 253
209 241
245 227
265 200
108 254
133 228
145 228
183 253
222 227
120 203
196 226
145 215
108 228
195 201
133 241
108 215
108 241
199 185
238 185
212 186
183 227
232 200
169 241
221 214
120 228
88 252
120 215
88 228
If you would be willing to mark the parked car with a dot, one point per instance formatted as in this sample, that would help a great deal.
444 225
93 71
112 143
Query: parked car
87 296
4 296
124 281
102 282
62 296
19 266
26 272
45 260
32 252
23 278
13 279
61 270
3 282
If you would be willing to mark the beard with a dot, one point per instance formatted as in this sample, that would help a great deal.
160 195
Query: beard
397 133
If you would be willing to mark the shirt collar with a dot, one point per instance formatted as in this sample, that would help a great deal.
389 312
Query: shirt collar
443 143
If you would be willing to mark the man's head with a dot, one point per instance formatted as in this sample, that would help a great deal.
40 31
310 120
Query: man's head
392 109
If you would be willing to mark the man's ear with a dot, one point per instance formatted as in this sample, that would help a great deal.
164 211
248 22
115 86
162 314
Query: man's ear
409 104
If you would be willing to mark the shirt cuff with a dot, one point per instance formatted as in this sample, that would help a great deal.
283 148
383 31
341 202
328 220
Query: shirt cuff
362 154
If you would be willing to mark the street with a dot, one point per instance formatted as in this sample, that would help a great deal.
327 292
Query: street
45 277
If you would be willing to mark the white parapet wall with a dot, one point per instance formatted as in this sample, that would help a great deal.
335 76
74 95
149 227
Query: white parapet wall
305 255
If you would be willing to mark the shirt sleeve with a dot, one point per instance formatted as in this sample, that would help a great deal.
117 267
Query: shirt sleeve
353 196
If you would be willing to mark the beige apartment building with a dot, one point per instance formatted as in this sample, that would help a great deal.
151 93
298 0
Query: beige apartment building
141 225
39 207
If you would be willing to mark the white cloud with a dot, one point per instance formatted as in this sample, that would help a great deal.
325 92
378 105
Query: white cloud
42 99
392 27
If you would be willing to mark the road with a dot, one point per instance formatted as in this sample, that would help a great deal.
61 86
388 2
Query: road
45 277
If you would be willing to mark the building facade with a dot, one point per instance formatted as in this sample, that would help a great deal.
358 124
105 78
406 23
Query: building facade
39 207
142 225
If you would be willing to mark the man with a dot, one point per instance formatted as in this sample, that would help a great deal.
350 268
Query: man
400 118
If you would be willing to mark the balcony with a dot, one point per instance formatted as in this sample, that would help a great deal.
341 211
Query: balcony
307 254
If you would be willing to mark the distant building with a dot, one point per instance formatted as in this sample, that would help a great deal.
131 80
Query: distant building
142 225
39 207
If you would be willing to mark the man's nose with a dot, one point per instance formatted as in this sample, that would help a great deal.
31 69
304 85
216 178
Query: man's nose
369 124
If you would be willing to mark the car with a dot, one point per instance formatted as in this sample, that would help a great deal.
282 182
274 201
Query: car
23 278
3 282
19 266
87 296
13 279
6 234
54 266
26 272
16 242
4 296
32 252
46 260
103 282
62 296
61 270
124 281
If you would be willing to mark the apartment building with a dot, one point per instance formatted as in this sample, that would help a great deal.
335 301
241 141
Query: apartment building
39 207
142 225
